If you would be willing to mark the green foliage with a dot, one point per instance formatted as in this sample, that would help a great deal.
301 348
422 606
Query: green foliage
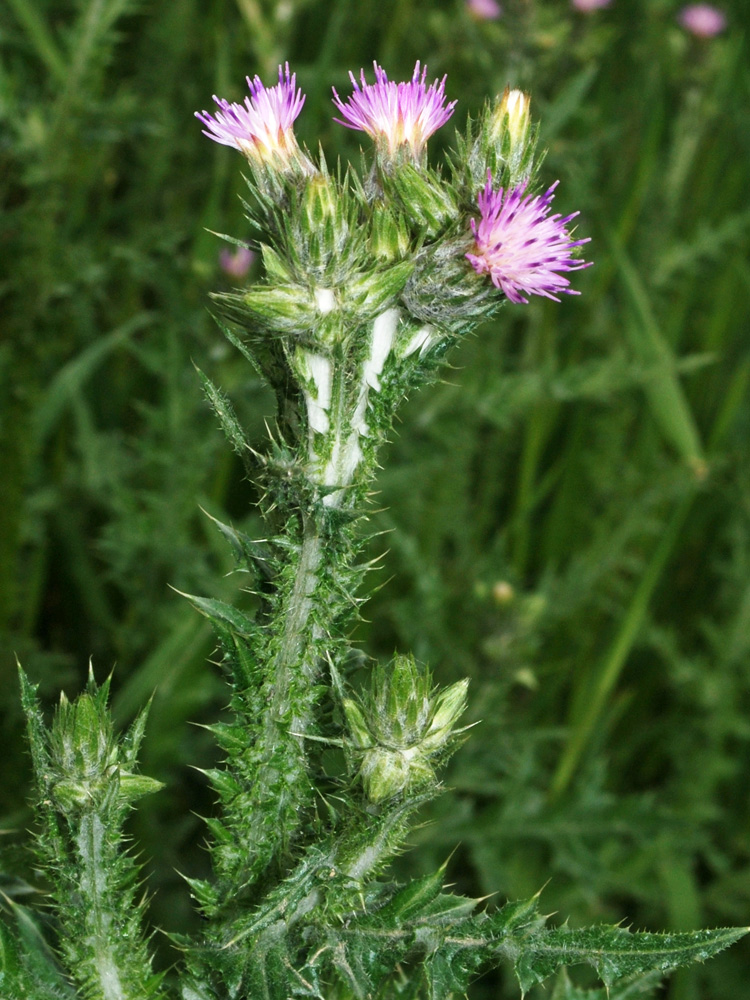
628 989
27 965
550 531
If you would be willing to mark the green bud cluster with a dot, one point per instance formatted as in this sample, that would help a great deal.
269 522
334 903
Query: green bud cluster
87 781
402 728
87 765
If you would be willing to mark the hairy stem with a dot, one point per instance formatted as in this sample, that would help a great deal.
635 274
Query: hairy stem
282 785
297 657
98 922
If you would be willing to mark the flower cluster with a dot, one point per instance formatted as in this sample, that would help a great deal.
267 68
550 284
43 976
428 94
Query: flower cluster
517 242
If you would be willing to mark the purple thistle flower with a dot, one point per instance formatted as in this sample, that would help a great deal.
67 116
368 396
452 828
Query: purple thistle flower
262 126
588 6
521 246
236 263
702 20
400 114
485 10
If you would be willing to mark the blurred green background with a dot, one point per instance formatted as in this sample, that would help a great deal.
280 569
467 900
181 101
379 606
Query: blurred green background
567 513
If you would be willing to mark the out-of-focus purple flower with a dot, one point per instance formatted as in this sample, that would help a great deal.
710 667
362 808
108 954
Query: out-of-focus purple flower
587 6
261 127
702 20
236 263
521 246
485 10
395 114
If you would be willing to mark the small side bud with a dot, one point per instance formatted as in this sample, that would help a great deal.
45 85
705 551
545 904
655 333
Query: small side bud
322 232
513 116
402 729
355 720
134 786
449 706
384 773
505 142
372 292
270 309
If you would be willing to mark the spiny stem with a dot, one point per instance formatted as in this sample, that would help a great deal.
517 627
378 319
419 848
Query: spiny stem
98 916
292 678
296 654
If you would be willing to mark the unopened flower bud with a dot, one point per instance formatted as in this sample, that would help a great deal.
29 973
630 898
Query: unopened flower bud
134 786
273 308
86 766
355 720
82 738
320 231
402 729
372 292
516 105
384 773
448 707
505 142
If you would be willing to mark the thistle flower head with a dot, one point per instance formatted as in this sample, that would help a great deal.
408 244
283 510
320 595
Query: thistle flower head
702 20
485 10
521 246
588 6
396 114
236 263
261 127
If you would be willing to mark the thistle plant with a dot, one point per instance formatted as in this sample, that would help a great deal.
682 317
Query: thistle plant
370 278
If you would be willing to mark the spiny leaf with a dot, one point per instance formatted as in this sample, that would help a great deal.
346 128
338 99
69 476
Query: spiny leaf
414 897
227 417
247 551
27 965
616 952
221 613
